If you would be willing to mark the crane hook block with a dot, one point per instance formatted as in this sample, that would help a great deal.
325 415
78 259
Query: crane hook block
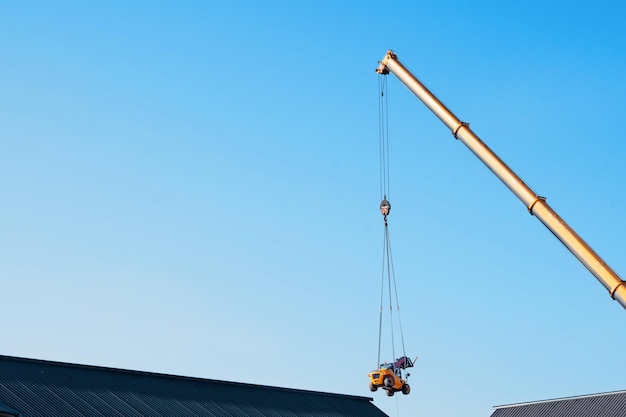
385 207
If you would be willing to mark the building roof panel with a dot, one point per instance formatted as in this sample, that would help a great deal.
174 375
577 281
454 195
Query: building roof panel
609 404
39 388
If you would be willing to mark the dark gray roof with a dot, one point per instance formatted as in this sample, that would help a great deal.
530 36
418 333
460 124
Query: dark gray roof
608 404
38 388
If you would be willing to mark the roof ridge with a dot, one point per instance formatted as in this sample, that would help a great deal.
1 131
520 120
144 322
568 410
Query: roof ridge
173 376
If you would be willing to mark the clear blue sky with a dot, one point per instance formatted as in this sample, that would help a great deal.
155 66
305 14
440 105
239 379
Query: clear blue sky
192 188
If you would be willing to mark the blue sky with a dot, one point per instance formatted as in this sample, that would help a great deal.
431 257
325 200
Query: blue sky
192 188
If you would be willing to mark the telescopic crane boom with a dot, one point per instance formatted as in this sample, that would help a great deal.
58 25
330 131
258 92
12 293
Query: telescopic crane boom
536 205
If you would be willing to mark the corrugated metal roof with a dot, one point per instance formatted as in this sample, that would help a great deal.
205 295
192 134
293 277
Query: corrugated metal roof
608 404
39 388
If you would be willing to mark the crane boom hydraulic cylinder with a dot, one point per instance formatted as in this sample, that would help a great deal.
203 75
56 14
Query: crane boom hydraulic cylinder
536 205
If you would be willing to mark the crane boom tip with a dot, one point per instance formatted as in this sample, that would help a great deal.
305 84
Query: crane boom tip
382 68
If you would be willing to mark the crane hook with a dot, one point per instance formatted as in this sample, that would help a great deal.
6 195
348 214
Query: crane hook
385 207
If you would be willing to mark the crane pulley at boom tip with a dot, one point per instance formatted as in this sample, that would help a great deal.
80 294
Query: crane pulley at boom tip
536 205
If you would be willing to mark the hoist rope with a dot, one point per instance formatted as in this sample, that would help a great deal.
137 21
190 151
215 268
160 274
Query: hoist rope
388 273
383 134
395 289
380 319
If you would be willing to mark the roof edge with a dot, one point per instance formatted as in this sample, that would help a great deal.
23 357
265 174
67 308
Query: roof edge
164 375
560 399
6 410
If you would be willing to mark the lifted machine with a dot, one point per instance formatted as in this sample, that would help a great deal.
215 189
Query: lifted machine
392 377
